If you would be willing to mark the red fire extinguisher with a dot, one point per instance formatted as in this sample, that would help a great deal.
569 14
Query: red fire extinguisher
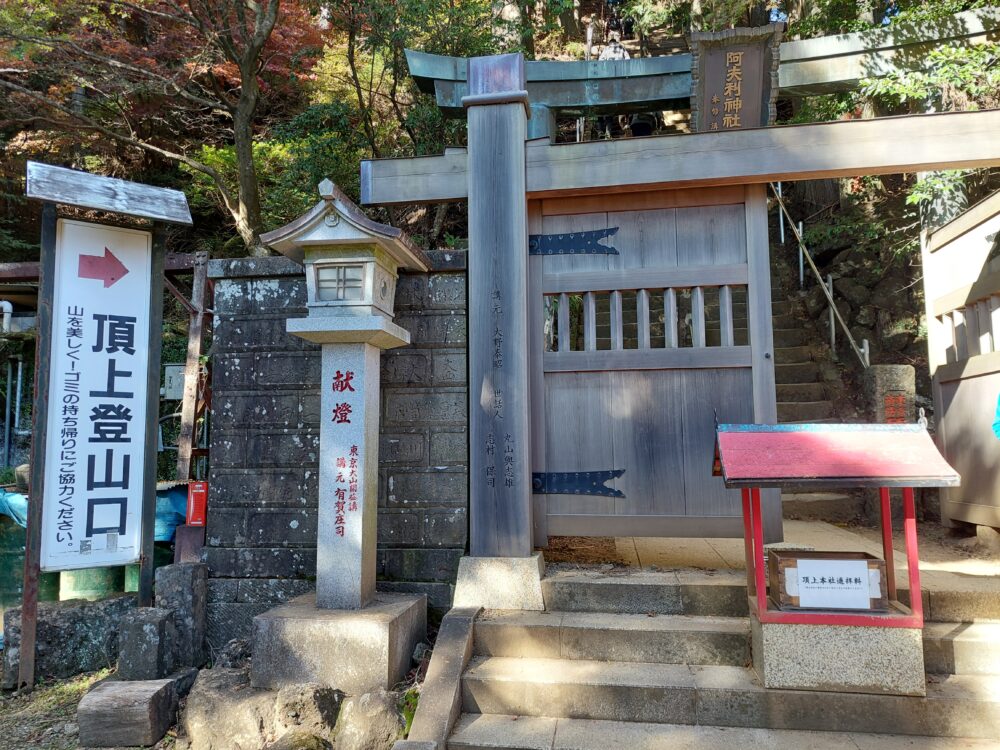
197 503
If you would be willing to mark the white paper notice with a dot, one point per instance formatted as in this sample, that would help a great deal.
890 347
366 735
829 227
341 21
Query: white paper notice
833 584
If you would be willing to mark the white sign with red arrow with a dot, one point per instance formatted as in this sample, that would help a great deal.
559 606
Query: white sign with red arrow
95 437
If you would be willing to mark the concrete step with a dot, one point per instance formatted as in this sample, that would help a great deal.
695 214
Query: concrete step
804 411
955 706
784 307
800 392
663 639
722 593
496 732
643 591
962 648
798 372
792 337
788 355
835 507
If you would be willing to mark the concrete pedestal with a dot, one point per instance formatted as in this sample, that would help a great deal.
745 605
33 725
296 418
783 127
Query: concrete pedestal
356 651
500 582
842 659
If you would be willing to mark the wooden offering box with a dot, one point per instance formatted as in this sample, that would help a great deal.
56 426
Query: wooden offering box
834 581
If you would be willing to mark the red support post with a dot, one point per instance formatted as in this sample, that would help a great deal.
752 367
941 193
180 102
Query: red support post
758 543
912 555
748 541
887 551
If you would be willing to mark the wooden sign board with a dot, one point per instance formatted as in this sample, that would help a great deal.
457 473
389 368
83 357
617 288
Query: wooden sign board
734 78
827 581
70 187
95 447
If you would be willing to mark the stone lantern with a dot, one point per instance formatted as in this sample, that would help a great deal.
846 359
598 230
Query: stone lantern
349 637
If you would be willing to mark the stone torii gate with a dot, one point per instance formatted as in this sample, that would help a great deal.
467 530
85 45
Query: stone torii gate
688 218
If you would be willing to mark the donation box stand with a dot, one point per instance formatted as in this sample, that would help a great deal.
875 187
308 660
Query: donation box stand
828 629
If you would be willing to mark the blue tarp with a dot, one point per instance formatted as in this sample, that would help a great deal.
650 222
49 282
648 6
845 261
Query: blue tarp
15 505
171 506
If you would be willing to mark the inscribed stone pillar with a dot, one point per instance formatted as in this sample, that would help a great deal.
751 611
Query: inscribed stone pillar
499 466
348 476
350 264
891 393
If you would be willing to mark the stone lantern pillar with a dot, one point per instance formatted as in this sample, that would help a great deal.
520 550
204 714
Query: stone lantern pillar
349 636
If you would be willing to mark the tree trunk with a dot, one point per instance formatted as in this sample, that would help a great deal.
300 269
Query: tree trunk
527 28
248 218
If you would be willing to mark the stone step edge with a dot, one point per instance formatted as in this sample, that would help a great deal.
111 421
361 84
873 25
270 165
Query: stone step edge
586 636
967 632
962 648
510 732
588 620
719 690
726 590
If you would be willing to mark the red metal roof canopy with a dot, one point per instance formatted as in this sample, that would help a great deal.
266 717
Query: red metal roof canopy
831 455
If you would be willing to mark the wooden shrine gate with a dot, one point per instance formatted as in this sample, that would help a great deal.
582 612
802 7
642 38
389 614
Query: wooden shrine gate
560 385
646 313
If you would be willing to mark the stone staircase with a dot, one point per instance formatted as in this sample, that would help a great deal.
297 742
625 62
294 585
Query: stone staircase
648 659
804 395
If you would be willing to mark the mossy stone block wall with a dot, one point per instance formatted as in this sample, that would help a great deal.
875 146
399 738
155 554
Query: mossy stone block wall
263 492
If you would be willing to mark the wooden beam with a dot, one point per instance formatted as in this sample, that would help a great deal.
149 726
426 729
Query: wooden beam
681 277
71 187
681 358
889 145
985 286
965 222
192 367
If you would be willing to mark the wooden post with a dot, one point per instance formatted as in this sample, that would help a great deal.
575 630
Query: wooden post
189 403
152 415
759 311
40 416
499 462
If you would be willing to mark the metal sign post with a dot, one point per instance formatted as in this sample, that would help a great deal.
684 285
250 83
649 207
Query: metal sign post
92 498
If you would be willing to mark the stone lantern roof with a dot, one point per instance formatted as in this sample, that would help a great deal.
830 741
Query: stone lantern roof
337 221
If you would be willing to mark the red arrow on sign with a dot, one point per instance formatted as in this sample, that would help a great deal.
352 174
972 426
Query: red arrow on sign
107 269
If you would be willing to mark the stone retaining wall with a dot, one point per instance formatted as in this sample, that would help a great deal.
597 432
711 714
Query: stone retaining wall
261 536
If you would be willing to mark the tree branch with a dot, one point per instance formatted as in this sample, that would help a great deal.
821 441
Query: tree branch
90 124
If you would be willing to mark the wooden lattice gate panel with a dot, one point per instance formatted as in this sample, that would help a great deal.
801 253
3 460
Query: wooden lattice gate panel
636 350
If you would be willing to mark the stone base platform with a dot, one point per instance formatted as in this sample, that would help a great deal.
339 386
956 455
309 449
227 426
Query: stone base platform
835 658
500 582
356 651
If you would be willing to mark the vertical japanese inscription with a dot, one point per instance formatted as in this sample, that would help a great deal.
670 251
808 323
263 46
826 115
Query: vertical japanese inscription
734 78
346 490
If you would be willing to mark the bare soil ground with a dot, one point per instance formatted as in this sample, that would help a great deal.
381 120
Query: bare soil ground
583 550
45 719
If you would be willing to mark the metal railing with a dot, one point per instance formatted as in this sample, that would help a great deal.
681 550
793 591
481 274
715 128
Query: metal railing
862 351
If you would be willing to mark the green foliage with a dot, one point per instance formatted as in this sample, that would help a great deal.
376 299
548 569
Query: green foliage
951 75
825 108
850 228
829 17
937 186
321 142
408 707
653 14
